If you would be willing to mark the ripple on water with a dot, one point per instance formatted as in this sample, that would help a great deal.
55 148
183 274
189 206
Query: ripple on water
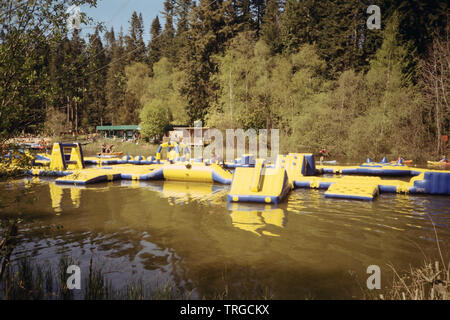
188 232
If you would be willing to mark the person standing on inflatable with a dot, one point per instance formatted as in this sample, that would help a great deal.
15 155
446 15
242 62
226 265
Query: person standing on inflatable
171 154
323 153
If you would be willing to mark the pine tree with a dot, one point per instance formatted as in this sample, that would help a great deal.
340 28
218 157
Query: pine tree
182 10
258 8
115 81
110 39
343 38
168 49
243 7
135 46
212 25
154 47
95 113
389 89
419 22
299 23
76 62
270 28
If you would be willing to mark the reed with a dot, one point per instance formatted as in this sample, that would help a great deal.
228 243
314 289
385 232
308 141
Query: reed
430 281
26 280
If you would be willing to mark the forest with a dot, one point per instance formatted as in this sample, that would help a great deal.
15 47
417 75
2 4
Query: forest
310 68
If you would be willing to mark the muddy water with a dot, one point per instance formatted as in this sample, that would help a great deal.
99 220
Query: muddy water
187 234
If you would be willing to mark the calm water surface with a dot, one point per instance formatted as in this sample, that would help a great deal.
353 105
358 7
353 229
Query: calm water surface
185 233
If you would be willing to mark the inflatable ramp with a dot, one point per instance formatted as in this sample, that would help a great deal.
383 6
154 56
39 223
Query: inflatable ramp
259 184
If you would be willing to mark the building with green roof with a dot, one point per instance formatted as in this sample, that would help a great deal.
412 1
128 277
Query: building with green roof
118 131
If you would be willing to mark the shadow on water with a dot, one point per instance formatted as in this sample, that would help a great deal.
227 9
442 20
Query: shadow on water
186 233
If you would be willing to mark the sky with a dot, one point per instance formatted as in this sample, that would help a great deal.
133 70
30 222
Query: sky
117 13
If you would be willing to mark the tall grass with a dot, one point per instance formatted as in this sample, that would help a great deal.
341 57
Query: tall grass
430 281
26 280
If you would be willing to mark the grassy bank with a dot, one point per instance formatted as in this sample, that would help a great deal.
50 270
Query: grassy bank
128 148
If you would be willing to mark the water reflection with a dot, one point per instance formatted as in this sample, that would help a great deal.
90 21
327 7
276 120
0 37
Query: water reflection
57 193
182 193
258 219
186 232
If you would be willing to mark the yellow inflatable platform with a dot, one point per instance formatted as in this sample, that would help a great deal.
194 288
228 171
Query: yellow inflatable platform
196 172
260 184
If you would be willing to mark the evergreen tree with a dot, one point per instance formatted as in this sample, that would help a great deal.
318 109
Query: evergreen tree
182 10
168 48
135 46
75 61
115 81
258 9
344 40
419 22
95 113
390 96
243 7
154 47
212 25
270 28
299 23
110 39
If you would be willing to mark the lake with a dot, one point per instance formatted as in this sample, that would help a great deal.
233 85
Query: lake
186 234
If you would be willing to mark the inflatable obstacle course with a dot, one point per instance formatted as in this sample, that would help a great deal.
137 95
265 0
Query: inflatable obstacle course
254 180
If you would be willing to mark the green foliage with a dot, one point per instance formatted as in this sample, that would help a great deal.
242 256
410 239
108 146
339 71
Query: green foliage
154 119
211 25
164 85
24 67
55 123
259 90
310 68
